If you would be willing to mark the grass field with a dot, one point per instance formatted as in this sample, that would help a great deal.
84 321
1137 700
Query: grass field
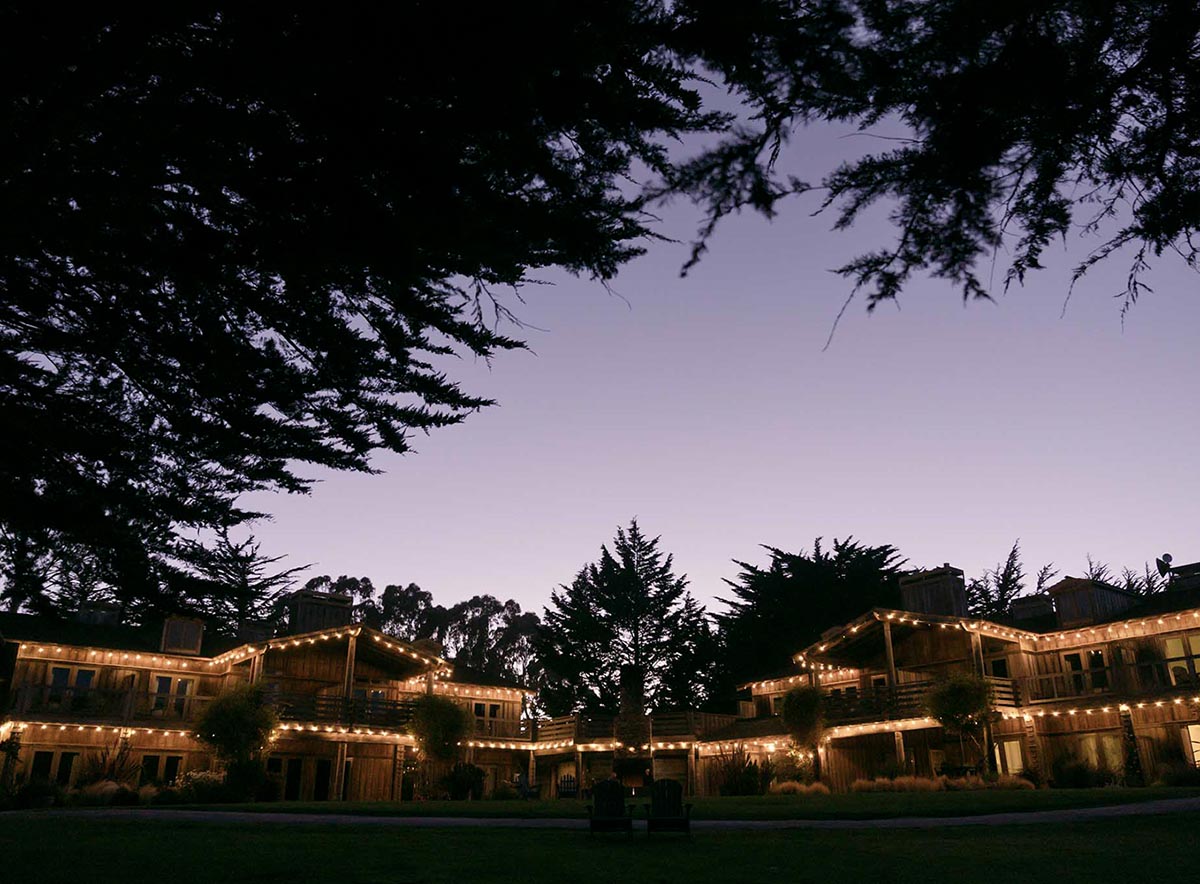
871 805
56 849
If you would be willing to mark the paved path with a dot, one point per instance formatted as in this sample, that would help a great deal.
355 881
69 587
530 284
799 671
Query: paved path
1081 814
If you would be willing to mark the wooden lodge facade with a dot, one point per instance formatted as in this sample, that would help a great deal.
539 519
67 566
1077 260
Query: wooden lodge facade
343 694
1089 672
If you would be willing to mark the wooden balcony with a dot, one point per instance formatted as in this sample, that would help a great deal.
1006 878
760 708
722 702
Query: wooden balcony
357 711
1118 680
905 700
84 705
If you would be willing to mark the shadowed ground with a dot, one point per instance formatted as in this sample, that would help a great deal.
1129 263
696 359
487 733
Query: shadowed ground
56 848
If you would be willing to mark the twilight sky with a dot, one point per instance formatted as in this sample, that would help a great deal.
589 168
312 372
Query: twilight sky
705 407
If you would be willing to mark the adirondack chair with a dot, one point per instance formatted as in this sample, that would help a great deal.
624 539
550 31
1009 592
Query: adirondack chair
608 811
666 811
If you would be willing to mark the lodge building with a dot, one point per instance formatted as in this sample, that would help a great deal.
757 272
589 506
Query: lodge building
1087 671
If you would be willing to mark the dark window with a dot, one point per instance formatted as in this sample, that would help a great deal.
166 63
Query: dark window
291 783
494 710
42 762
346 781
479 710
149 768
1075 667
275 765
1000 667
171 768
59 679
183 687
84 678
162 691
321 783
1098 672
66 762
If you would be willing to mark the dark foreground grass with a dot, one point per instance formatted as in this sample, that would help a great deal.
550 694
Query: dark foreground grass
73 849
869 805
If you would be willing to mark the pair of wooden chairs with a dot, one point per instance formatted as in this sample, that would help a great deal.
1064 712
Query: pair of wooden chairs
666 811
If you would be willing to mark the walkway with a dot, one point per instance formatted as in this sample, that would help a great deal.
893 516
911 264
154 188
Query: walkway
1081 814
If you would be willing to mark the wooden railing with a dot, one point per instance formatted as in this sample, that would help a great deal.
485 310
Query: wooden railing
498 727
341 710
602 728
1004 693
555 729
1124 679
64 704
904 700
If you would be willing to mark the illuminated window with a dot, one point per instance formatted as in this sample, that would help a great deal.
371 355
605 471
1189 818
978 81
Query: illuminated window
1191 742
1179 654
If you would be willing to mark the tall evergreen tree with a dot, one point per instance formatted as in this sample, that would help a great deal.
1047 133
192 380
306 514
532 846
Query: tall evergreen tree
776 610
991 595
239 583
627 608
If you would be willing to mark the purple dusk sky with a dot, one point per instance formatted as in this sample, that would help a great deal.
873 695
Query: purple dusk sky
705 407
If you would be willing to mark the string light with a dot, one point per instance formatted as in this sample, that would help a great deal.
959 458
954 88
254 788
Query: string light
124 731
1101 710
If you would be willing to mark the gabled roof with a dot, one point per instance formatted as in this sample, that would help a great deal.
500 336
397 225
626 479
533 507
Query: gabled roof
839 635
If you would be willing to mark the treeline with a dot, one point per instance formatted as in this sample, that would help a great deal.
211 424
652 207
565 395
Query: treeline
629 607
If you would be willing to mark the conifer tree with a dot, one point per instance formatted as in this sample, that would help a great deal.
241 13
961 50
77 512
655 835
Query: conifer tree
627 608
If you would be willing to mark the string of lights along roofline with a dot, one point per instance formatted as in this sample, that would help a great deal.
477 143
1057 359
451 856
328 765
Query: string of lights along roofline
1183 618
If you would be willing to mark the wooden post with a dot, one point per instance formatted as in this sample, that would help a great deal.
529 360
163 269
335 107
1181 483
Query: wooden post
532 768
900 759
891 656
397 772
976 652
691 769
348 687
339 772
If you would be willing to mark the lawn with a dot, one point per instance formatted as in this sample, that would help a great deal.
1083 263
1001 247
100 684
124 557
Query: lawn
57 849
871 805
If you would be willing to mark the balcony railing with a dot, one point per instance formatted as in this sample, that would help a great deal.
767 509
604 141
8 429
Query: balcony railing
499 727
904 700
359 711
65 704
1123 679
